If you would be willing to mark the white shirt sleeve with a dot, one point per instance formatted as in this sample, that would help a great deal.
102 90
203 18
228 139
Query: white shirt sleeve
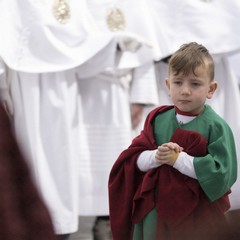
146 160
184 164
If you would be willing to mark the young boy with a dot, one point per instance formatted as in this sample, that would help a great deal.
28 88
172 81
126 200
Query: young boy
173 181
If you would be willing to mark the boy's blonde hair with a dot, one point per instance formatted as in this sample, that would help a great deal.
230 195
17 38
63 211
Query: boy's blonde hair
190 56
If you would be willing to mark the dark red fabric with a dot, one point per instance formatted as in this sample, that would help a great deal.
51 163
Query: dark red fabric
23 215
125 179
177 196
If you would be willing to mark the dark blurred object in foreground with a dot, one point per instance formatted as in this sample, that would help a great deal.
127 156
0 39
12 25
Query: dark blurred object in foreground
233 218
23 213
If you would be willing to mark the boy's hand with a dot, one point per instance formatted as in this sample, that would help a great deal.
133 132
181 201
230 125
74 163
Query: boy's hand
168 153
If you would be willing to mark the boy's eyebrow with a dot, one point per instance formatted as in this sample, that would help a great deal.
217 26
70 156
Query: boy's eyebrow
196 79
177 78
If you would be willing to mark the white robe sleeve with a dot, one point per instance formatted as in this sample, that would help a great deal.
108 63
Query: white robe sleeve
144 88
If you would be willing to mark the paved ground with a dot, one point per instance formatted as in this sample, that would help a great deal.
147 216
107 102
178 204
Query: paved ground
85 229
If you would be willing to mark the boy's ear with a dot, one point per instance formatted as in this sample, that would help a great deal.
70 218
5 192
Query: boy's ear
212 89
167 82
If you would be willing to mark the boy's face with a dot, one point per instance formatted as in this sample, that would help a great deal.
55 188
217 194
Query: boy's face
189 93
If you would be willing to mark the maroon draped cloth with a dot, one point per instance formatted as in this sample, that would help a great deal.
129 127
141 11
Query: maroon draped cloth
23 215
179 200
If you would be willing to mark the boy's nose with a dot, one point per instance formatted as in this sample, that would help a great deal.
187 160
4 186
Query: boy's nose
185 90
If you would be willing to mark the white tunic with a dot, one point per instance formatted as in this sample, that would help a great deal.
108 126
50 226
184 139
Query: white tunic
213 23
234 60
106 116
70 89
107 123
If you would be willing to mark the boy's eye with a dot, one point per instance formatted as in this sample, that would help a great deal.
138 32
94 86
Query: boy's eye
195 84
177 82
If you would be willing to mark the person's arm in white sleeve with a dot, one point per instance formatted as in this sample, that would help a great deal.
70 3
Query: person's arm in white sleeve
146 160
184 164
